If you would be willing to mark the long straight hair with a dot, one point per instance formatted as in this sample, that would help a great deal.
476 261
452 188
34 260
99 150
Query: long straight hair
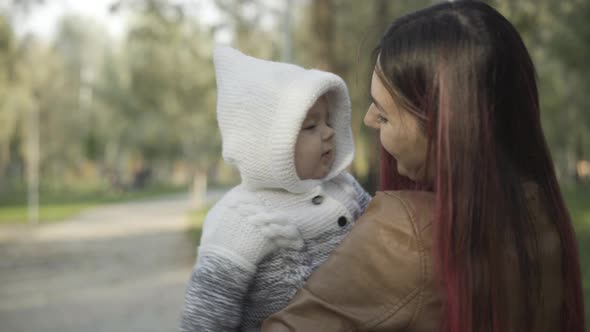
462 69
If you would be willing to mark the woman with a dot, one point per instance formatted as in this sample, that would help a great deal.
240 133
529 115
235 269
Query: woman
491 246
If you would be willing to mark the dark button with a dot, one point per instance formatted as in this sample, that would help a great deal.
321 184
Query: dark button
317 200
342 221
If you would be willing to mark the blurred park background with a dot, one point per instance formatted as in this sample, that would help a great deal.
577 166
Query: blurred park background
105 102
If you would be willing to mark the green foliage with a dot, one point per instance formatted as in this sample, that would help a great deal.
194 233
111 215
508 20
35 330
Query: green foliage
577 198
110 109
107 109
171 82
556 34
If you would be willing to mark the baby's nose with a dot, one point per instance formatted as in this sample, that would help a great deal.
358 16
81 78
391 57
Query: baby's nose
328 133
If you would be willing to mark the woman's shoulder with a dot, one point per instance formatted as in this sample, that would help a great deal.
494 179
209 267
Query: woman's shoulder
386 288
411 208
408 198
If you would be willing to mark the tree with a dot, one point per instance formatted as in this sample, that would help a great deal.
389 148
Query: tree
555 34
8 113
168 93
341 36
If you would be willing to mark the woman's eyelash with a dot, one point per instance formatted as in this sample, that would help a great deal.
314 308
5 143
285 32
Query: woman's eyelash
381 119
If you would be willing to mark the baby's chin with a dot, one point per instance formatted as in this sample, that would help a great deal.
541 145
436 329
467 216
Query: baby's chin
328 168
323 173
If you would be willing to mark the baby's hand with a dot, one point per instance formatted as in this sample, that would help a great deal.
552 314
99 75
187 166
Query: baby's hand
276 227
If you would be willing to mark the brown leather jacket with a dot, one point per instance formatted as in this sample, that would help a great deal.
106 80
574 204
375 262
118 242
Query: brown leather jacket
381 277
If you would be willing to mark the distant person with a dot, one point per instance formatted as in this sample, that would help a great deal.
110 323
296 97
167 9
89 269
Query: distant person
488 244
287 130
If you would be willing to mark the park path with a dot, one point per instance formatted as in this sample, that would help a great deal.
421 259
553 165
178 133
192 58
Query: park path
117 268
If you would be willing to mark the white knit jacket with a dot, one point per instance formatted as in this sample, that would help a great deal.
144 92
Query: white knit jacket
263 239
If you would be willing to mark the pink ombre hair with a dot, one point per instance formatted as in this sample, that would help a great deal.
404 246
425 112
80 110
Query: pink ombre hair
465 73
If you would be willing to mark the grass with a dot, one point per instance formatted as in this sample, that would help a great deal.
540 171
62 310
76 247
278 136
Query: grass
196 218
55 206
47 212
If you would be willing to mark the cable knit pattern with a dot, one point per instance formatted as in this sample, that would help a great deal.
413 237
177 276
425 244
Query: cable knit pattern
264 238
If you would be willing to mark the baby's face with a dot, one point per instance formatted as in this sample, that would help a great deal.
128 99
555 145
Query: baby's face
315 149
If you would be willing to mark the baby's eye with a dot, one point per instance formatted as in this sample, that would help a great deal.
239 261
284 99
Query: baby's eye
309 127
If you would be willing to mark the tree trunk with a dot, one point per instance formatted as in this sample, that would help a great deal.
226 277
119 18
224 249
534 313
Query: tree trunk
199 188
322 12
383 20
32 164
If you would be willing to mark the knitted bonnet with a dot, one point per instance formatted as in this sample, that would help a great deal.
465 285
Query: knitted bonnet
261 106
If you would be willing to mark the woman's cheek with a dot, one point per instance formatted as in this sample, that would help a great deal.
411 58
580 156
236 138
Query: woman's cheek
386 142
392 143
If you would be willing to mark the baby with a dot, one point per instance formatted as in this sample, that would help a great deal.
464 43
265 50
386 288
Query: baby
287 130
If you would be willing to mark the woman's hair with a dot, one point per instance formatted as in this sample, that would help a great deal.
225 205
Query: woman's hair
462 69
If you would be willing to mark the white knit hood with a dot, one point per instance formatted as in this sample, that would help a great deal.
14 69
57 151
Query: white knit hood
261 106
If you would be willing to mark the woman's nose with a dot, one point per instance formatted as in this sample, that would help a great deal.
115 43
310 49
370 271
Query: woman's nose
370 119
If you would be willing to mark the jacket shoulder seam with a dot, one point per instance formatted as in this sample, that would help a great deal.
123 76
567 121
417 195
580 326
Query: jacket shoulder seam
418 292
